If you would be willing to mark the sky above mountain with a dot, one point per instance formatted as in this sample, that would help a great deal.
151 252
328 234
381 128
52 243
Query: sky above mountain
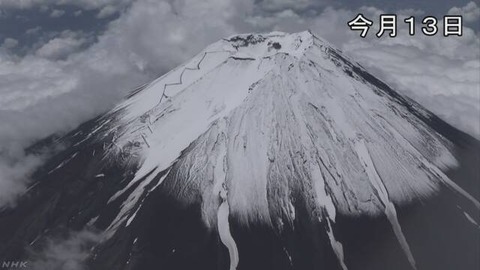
65 61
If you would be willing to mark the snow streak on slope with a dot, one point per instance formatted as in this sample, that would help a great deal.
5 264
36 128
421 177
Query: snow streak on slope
224 231
271 118
382 192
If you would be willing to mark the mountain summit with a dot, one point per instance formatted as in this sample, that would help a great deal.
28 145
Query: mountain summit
264 151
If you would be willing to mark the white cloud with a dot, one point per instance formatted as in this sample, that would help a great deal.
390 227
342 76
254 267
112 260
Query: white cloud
62 46
470 12
106 11
14 176
9 43
56 13
68 253
44 8
300 5
33 30
410 12
85 4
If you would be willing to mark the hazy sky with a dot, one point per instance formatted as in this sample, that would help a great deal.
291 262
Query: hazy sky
65 61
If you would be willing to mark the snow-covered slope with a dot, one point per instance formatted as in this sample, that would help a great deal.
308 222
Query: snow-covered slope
271 122
257 126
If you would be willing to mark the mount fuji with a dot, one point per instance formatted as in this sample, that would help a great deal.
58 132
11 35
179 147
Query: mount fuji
264 151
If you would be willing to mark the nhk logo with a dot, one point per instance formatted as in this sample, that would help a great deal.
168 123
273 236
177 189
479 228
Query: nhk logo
13 264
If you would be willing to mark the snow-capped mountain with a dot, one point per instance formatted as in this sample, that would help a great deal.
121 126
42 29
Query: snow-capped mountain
264 151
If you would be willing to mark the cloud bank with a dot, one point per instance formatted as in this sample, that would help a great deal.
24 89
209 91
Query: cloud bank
470 12
67 253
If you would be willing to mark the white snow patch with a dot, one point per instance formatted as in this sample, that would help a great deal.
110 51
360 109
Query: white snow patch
471 220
